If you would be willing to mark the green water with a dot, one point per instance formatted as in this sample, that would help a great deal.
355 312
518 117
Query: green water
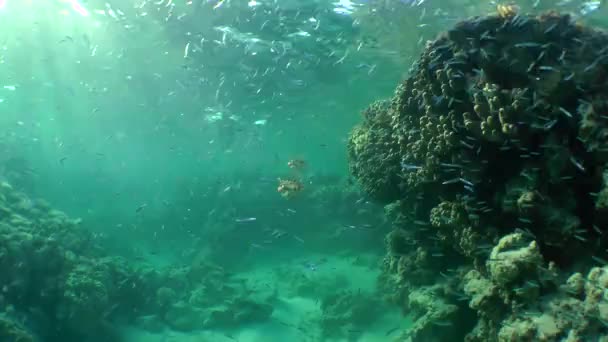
165 128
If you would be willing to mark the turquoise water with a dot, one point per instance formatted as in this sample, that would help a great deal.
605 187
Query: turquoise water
179 170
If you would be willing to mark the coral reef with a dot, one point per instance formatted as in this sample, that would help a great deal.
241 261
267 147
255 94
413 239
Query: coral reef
491 161
431 312
56 276
372 161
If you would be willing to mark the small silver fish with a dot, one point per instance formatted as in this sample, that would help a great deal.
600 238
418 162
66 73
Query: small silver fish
409 167
245 219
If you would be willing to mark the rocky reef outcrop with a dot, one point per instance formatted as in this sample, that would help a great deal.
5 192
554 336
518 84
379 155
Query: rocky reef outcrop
491 161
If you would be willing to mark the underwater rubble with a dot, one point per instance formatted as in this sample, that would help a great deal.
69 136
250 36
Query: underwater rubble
58 284
491 160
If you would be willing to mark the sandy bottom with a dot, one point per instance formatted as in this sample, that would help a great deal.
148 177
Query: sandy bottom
295 318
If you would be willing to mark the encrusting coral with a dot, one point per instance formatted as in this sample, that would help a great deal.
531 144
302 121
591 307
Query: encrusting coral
491 160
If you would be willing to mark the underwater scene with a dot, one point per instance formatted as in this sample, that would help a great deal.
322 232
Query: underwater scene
303 170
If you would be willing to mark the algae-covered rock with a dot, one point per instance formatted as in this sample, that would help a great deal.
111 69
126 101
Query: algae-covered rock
11 331
185 317
519 330
226 314
165 296
239 312
204 296
434 318
513 257
575 284
482 291
345 313
151 323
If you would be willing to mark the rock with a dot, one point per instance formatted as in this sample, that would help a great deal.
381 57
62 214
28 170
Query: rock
182 316
481 290
238 312
151 323
512 258
10 331
575 285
